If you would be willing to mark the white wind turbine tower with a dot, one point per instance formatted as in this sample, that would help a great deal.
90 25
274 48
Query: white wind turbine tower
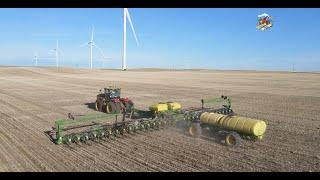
35 58
92 44
125 16
56 51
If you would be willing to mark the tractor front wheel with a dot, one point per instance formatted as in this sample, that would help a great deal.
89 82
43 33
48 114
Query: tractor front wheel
97 106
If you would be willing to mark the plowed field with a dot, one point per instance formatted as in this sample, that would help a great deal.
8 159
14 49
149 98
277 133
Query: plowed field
32 98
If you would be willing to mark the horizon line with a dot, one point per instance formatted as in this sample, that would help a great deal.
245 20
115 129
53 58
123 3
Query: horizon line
159 68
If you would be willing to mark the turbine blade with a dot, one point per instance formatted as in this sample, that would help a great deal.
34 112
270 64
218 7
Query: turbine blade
131 25
92 33
100 50
84 44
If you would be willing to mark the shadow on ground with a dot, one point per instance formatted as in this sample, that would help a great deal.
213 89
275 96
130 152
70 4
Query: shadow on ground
49 135
91 105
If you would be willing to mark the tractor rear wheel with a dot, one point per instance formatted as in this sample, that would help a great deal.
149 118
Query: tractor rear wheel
111 107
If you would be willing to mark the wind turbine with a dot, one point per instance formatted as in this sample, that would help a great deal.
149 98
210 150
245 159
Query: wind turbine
125 16
293 70
92 44
36 58
56 51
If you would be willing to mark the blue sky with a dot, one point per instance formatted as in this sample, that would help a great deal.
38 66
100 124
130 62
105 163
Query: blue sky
217 38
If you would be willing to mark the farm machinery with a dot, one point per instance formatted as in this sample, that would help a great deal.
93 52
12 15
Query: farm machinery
119 122
94 127
110 101
223 122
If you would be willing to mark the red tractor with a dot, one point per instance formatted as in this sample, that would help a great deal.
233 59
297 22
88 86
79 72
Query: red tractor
110 101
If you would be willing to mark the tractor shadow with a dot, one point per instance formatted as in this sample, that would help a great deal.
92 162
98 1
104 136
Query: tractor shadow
91 105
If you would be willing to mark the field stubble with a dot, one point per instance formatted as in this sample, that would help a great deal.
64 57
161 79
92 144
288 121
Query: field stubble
32 98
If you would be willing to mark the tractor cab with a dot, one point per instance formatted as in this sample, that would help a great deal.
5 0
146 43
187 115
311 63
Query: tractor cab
264 22
112 93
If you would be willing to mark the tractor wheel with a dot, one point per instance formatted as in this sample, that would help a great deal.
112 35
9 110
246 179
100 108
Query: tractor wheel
233 139
111 107
98 106
195 130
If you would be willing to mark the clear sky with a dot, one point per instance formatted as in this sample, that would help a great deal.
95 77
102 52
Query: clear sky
169 38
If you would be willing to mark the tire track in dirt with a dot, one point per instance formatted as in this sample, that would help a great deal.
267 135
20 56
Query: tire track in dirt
212 153
148 146
127 145
25 145
19 152
107 162
238 150
114 152
292 147
32 135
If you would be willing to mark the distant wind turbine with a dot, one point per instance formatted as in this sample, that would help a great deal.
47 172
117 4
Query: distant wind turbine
125 16
92 44
293 70
56 51
35 58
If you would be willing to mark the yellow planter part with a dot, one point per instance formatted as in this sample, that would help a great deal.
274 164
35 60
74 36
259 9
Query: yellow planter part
173 106
160 107
243 125
210 118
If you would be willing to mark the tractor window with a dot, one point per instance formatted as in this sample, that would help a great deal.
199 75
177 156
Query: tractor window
114 94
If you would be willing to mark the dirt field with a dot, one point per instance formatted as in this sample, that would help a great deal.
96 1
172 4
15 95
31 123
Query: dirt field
32 98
